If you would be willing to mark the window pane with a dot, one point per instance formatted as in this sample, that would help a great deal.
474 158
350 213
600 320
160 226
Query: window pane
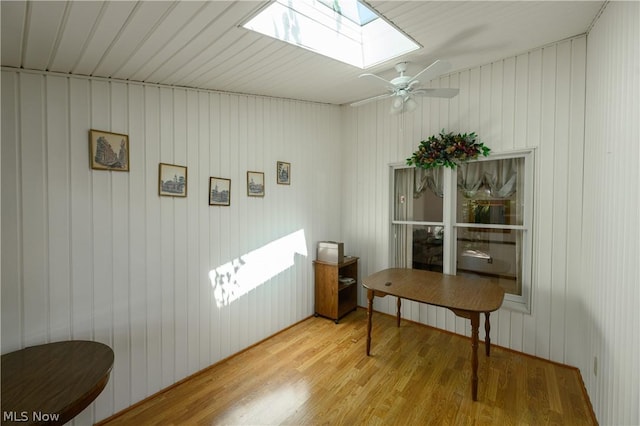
494 253
418 195
491 192
427 247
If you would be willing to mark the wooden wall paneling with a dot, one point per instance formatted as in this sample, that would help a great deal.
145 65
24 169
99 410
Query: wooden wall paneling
206 169
120 254
508 109
215 221
33 208
102 230
199 183
277 286
496 116
348 171
81 220
58 202
180 253
251 150
80 210
534 108
268 126
576 333
228 166
258 148
610 229
168 246
561 156
12 296
521 93
245 244
137 238
475 100
154 233
545 199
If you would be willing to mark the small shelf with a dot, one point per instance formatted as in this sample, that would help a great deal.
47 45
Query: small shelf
335 298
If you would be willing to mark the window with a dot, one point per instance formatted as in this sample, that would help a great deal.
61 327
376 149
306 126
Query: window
345 30
474 220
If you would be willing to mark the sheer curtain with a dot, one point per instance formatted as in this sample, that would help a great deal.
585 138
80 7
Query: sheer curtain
430 178
470 178
403 210
501 177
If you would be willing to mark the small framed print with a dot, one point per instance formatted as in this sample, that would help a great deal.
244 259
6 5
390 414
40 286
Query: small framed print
108 151
255 184
283 173
172 180
219 191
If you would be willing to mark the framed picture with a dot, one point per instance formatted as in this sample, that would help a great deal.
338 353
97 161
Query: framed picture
255 184
283 173
172 180
219 191
108 151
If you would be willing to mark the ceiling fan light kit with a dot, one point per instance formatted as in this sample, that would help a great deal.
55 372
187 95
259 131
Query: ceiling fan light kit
404 87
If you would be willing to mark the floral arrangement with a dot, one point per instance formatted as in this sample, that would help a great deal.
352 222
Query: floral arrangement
447 150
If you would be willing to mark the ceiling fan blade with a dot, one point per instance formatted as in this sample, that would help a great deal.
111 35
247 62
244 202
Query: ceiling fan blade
375 98
432 71
437 93
386 82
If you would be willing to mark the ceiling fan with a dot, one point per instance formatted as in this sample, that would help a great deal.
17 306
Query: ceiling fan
404 87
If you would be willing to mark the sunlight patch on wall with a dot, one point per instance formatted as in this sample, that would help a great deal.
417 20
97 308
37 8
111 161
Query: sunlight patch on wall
243 274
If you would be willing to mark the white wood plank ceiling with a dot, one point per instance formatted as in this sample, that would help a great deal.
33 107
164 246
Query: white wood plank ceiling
200 43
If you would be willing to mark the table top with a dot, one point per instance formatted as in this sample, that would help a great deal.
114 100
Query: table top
449 291
60 378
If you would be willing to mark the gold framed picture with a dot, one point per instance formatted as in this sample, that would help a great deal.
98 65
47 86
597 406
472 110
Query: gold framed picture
172 180
108 151
255 184
283 173
219 191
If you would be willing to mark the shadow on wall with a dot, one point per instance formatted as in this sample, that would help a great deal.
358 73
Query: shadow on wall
243 274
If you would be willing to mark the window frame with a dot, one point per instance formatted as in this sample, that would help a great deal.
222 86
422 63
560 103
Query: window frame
519 303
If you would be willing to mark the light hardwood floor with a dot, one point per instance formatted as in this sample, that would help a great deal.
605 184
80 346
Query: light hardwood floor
317 373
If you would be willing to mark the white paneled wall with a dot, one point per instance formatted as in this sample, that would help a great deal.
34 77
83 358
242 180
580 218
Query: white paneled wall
99 255
533 100
611 230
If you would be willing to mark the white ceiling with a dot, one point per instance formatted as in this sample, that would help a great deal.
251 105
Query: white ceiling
200 44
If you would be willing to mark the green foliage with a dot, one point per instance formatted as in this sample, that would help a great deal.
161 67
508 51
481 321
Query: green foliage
447 150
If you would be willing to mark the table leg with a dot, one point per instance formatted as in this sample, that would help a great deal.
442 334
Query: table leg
475 325
398 313
487 338
370 296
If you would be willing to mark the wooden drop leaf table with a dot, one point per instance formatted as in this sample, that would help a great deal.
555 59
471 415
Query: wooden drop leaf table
52 383
466 297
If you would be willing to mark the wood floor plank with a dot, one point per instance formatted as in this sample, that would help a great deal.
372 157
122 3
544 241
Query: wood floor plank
317 372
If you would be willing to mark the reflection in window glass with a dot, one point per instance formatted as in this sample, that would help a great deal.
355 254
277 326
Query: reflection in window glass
492 253
427 247
418 195
491 192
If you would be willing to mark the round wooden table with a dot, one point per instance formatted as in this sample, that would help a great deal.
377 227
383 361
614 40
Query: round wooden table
53 383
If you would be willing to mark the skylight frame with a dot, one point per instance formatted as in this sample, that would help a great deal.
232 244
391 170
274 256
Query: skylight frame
315 26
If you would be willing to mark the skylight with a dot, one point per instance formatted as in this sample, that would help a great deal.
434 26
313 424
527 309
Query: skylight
345 30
